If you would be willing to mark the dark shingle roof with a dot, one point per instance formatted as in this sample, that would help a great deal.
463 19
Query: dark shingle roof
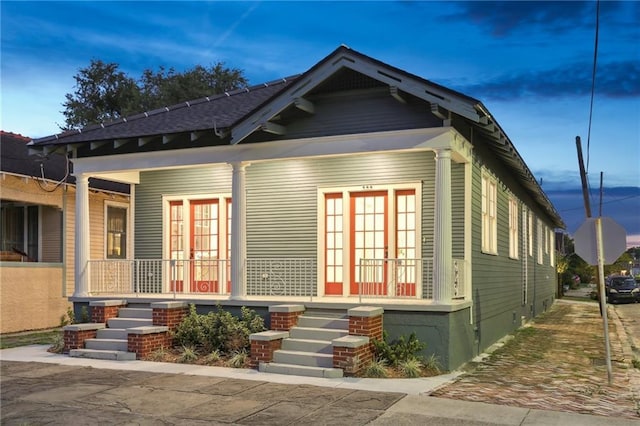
220 111
15 158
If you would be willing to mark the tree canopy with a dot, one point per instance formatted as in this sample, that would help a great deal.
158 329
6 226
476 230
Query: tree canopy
103 92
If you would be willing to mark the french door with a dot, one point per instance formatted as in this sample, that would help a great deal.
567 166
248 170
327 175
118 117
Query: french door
204 253
200 245
371 242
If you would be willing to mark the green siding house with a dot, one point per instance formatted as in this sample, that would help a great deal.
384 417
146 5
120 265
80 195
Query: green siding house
352 184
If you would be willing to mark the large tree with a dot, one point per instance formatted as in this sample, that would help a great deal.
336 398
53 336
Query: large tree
104 93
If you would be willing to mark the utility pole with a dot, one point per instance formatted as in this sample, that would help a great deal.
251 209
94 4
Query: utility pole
600 255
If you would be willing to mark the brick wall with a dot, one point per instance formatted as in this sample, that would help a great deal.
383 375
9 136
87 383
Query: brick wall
284 321
144 344
74 339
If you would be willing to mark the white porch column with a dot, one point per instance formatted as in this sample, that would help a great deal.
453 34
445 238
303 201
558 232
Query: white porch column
82 237
238 231
442 250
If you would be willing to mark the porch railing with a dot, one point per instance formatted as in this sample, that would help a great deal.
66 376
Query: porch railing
160 276
392 278
404 278
294 277
288 277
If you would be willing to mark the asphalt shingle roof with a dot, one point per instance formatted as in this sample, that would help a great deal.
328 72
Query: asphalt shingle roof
15 158
221 111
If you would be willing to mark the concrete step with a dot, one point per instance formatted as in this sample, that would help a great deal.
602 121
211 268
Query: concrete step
325 313
102 354
112 333
106 344
323 322
309 359
299 370
306 345
128 322
145 313
310 333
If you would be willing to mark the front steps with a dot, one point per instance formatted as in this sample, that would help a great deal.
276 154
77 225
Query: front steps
111 343
308 350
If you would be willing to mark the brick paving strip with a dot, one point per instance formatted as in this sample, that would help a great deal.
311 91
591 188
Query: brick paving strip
556 363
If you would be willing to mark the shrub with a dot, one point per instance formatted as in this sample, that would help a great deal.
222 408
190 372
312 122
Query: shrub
376 369
238 359
410 368
58 344
399 350
218 330
189 332
188 355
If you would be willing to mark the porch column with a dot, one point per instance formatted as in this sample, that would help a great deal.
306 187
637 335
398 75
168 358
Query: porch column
442 250
82 237
238 231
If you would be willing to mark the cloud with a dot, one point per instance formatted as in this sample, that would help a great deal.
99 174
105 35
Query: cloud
506 18
619 203
614 80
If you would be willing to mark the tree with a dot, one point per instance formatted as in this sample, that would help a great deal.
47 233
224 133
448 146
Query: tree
104 93
167 87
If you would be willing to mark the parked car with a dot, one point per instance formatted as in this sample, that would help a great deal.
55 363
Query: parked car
619 289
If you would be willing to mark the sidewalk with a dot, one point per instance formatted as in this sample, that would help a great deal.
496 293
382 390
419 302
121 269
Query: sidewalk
38 387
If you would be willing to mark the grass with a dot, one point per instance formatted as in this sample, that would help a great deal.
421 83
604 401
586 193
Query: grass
42 337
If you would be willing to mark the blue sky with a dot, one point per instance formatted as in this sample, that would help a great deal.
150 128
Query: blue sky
530 63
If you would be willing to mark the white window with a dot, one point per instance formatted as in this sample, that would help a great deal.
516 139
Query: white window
552 238
530 233
540 239
489 215
513 228
546 240
116 230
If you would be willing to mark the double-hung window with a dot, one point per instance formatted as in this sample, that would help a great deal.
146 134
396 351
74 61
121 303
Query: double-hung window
489 215
116 230
513 228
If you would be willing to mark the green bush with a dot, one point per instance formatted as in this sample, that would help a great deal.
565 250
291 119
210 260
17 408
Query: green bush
399 350
218 330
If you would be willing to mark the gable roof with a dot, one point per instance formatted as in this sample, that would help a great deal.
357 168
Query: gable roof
15 159
231 117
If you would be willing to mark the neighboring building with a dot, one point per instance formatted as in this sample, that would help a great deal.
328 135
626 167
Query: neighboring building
355 183
36 234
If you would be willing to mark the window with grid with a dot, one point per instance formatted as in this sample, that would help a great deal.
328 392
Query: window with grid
333 243
489 216
116 232
513 228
